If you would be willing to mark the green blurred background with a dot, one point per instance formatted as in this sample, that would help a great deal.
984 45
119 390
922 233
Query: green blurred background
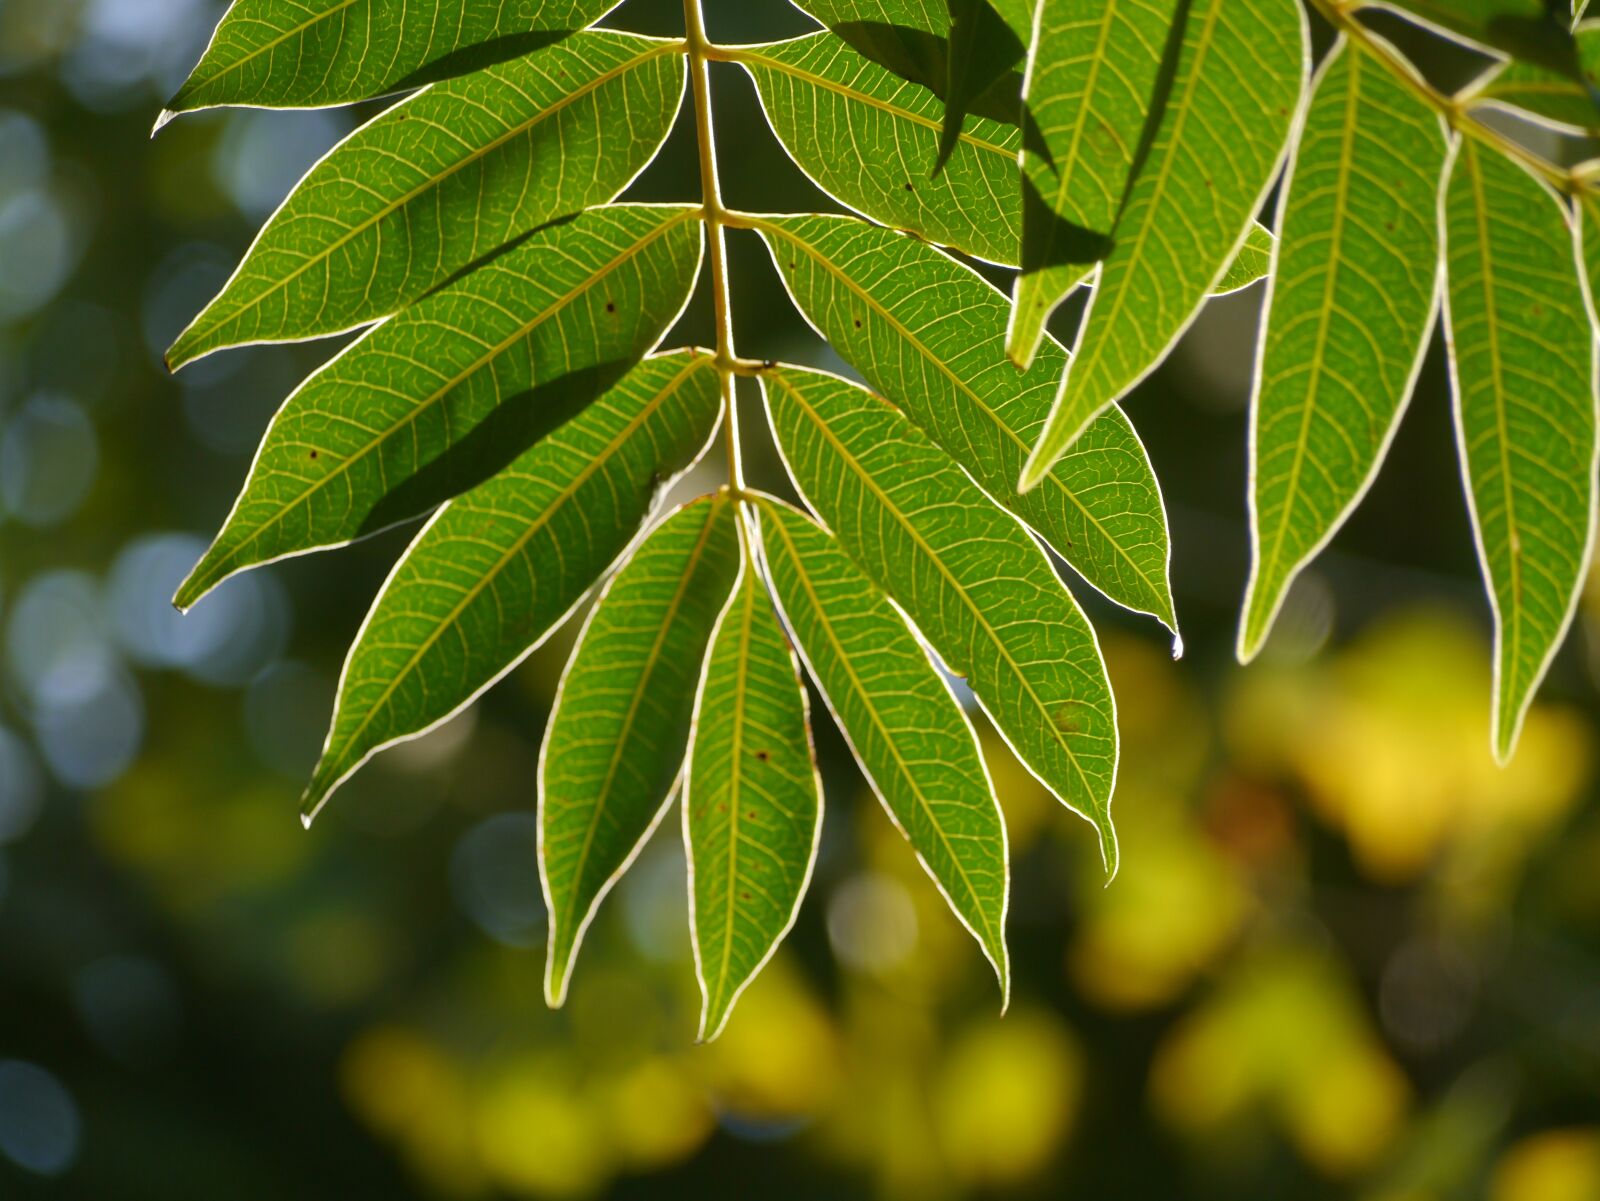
1346 956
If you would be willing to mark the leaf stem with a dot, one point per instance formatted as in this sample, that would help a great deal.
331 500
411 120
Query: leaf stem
728 364
1341 15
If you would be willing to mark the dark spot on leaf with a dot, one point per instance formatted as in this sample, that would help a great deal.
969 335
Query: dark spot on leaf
858 322
909 188
763 755
611 306
1064 719
744 896
313 454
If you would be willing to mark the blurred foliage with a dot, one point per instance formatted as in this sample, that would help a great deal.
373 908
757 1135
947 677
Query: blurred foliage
1346 956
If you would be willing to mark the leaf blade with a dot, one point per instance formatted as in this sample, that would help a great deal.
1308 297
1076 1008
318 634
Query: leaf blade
752 787
500 567
442 180
618 731
908 733
975 584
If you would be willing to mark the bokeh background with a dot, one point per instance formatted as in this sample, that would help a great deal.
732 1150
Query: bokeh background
1346 956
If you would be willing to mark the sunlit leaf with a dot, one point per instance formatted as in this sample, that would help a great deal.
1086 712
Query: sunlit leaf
450 391
909 734
1092 83
1521 361
312 53
1252 263
1352 306
884 301
871 140
442 180
1551 95
984 50
501 566
978 588
752 801
619 730
1536 31
1221 136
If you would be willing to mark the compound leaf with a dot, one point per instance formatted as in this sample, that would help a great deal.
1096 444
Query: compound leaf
1553 96
1535 31
984 50
315 53
885 303
1092 82
1521 351
448 392
618 732
501 566
871 140
752 801
907 731
978 588
1221 136
1351 308
442 180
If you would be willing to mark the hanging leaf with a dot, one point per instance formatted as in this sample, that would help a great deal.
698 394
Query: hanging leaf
904 726
1222 133
983 51
449 392
501 566
884 303
1352 305
1535 31
1522 364
752 802
968 575
447 178
619 729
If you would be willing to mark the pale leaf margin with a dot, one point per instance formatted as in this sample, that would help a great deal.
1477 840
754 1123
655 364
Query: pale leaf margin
261 447
308 815
1002 967
747 563
1243 653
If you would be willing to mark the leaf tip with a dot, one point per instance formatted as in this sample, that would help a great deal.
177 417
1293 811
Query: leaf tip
1110 855
1177 643
167 116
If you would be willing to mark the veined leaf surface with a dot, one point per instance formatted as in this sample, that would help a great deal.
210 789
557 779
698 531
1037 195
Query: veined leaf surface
889 305
908 732
1252 263
752 802
314 53
1221 136
1530 30
501 566
1352 306
1092 82
984 49
617 736
442 180
978 587
871 140
440 398
1522 363
1554 96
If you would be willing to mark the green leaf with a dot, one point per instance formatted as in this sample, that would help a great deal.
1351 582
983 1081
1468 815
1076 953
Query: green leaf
619 730
907 731
1348 321
1521 351
1535 31
983 51
1252 263
752 801
1221 137
498 568
1549 95
442 180
1092 83
974 582
871 141
314 53
451 390
884 302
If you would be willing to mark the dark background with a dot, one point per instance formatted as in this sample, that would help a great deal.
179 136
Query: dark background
1346 956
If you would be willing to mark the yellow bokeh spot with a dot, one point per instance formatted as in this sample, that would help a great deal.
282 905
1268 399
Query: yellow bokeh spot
1558 1165
537 1135
658 1115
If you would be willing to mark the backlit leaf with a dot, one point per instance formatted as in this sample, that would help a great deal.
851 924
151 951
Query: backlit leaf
752 801
500 567
1092 83
442 180
977 586
451 390
1552 95
1351 309
313 53
983 51
1536 31
1252 263
618 733
871 140
908 732
1221 136
885 302
1521 361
